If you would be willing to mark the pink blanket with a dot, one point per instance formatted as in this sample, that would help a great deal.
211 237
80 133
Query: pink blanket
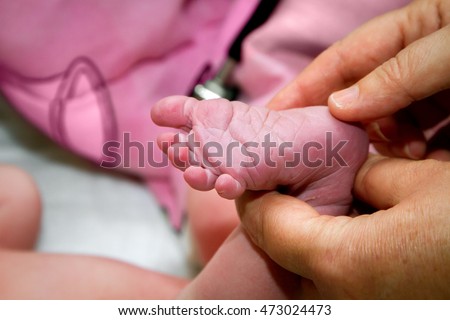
87 72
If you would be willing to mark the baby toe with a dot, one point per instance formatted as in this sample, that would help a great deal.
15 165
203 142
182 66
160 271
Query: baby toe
178 157
165 140
174 111
200 178
228 187
180 154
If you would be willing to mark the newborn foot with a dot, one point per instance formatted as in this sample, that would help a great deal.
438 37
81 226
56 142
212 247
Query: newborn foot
232 147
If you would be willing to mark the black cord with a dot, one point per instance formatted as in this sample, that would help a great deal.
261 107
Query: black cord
260 15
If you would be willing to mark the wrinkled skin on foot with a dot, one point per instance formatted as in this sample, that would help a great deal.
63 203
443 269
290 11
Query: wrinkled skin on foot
231 147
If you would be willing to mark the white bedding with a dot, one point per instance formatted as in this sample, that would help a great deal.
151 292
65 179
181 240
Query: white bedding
90 210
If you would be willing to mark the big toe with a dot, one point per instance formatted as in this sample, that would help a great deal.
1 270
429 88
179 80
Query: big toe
174 111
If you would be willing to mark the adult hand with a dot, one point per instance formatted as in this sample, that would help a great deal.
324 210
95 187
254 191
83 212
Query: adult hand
397 60
401 251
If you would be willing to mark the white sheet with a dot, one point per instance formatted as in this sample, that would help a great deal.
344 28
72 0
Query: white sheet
91 210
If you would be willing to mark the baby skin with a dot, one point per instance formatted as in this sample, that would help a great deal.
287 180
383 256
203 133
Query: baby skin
232 147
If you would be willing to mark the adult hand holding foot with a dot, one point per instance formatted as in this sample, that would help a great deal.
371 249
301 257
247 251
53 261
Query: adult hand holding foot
394 71
401 251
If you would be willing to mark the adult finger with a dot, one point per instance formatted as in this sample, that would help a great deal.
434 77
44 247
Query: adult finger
385 182
350 59
416 72
439 145
398 136
290 231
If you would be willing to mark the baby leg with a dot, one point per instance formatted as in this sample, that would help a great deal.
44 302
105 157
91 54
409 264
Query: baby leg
240 270
28 275
211 220
20 209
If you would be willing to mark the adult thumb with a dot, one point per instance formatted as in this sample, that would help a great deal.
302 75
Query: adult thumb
416 72
290 231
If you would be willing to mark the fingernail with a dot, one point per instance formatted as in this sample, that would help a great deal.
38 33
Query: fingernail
415 150
375 128
344 98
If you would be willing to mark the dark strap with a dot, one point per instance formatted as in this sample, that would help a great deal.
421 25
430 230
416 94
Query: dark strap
259 16
219 86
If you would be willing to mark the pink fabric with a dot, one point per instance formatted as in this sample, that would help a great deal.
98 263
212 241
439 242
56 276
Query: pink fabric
87 72
296 33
